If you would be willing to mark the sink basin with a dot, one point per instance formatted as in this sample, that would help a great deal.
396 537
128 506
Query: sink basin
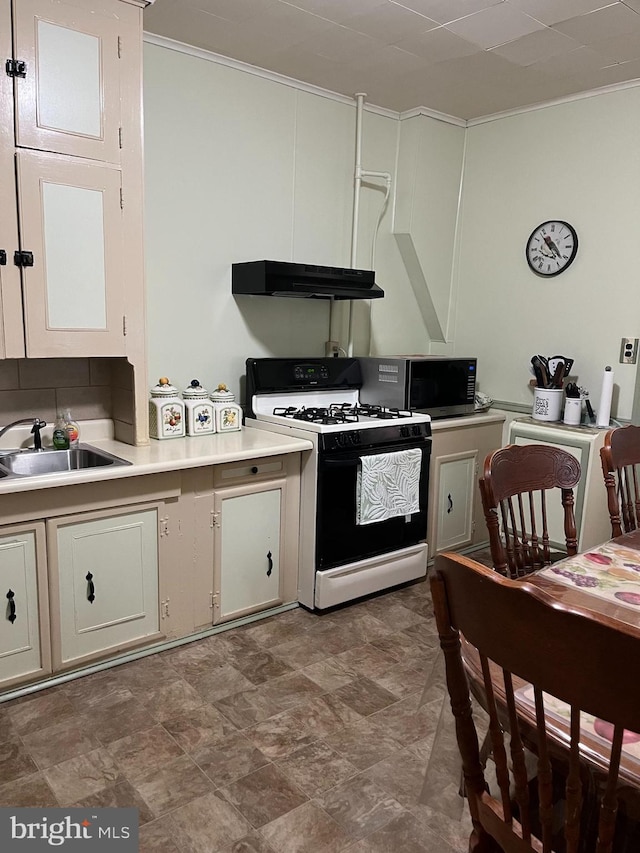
31 463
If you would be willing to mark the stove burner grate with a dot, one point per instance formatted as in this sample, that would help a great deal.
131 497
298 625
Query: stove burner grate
340 413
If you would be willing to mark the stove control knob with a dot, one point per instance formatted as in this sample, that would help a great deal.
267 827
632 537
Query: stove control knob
417 429
355 438
404 432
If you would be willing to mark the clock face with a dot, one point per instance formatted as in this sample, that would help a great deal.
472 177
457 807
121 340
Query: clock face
551 248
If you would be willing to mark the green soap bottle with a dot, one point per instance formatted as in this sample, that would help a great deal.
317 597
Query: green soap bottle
60 434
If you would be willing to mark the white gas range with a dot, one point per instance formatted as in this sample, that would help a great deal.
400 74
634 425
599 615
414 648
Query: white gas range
342 558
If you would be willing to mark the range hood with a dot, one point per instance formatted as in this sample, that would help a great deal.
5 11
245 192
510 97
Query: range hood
280 278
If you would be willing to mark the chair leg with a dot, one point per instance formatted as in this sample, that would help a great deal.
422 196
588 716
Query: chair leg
485 752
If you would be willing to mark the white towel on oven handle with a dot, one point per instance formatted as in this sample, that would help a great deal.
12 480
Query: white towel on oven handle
387 485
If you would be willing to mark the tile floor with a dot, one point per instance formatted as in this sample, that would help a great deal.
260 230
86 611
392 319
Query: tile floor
300 733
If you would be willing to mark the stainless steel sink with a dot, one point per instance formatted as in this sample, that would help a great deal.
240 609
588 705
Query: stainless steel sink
31 463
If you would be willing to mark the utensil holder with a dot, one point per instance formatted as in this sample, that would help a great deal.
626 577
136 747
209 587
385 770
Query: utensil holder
572 411
547 404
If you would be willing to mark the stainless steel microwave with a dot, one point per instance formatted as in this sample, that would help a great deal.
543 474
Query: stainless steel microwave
440 386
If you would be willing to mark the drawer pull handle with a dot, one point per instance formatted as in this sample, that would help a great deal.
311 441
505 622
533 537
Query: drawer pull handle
270 561
12 607
91 596
254 470
449 503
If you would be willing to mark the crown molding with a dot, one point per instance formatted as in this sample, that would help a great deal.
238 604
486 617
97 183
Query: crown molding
566 99
239 65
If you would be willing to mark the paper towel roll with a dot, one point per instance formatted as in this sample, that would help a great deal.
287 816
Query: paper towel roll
604 409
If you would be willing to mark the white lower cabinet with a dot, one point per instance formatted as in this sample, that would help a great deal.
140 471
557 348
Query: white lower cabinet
104 578
24 622
456 476
246 564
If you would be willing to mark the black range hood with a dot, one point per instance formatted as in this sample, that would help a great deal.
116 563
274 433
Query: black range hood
280 278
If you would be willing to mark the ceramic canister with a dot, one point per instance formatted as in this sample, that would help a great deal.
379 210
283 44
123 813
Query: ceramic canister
166 411
228 412
200 413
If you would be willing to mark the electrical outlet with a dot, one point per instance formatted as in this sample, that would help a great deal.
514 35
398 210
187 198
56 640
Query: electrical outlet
332 348
629 351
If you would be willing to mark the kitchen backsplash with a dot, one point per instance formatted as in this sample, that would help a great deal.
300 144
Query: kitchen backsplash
92 388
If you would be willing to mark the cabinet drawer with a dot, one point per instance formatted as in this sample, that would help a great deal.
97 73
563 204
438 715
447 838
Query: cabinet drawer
254 469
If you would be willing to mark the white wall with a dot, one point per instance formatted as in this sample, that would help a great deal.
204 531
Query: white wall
578 162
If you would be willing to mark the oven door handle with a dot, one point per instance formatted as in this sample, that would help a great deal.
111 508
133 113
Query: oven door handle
352 456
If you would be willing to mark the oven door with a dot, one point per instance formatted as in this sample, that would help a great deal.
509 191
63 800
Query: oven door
339 539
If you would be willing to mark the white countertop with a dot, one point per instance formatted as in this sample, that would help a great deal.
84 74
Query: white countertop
476 419
166 455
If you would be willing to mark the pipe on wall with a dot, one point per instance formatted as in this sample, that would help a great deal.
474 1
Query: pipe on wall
359 174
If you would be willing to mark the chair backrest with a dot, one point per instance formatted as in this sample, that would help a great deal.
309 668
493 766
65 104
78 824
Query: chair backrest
514 488
620 457
527 642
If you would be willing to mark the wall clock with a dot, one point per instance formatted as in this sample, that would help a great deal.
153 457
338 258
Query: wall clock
551 247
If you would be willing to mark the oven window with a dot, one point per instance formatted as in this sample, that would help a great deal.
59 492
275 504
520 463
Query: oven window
339 539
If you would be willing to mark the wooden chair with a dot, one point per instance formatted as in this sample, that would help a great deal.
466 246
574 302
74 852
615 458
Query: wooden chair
514 489
620 457
523 637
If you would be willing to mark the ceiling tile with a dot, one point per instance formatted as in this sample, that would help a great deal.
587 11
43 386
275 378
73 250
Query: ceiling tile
444 11
335 10
390 61
232 10
535 47
494 26
632 4
613 20
437 45
578 61
342 44
389 23
552 11
623 48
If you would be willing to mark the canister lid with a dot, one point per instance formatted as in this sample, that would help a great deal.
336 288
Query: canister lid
195 391
164 388
222 394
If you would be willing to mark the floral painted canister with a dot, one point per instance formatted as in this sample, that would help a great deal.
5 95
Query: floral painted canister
200 413
228 412
166 411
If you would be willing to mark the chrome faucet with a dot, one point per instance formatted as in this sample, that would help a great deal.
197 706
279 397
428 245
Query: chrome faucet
36 426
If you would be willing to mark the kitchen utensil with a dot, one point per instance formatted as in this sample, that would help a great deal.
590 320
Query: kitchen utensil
540 370
590 411
553 363
558 375
572 391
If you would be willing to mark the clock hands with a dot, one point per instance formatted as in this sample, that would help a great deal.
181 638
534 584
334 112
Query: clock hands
552 246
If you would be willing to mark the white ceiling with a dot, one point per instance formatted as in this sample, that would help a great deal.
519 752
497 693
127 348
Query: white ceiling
465 58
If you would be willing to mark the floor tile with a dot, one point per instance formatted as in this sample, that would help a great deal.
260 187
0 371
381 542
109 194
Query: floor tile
329 674
359 806
119 715
150 671
404 833
259 667
28 791
176 783
15 761
363 743
252 843
218 682
316 768
208 824
73 736
82 776
291 690
401 775
39 711
248 707
158 837
366 660
202 726
300 652
170 700
146 751
229 760
307 829
120 796
407 721
279 736
264 795
365 697
400 680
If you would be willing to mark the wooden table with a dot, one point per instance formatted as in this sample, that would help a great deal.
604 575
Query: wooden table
605 581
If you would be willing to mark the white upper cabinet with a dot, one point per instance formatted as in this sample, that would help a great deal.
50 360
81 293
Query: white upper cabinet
66 78
71 230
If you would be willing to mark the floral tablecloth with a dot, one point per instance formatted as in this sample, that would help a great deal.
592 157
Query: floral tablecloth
609 571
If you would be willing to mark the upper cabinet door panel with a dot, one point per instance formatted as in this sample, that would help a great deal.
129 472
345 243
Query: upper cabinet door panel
71 221
69 99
